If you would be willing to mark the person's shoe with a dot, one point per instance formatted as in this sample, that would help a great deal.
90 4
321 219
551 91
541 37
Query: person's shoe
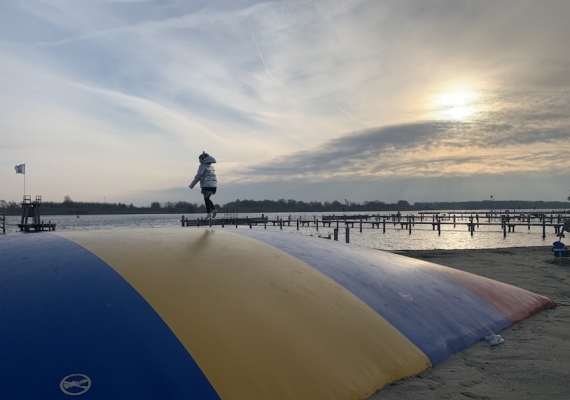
496 340
208 216
214 212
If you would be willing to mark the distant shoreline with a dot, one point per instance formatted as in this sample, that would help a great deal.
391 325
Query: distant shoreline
70 207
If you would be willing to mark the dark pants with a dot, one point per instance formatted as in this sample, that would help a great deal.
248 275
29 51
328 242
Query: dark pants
207 192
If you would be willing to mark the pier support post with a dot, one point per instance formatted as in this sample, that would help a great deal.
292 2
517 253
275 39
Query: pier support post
544 228
360 225
335 234
383 226
297 223
347 234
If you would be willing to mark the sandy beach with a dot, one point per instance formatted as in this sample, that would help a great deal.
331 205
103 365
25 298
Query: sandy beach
534 361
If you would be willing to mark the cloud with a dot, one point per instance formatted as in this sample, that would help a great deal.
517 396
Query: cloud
286 94
431 148
129 1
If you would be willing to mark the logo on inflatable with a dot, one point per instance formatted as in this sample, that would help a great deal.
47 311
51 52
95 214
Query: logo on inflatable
406 296
75 384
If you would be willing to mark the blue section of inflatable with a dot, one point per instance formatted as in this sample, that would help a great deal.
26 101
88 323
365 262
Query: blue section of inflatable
73 316
437 314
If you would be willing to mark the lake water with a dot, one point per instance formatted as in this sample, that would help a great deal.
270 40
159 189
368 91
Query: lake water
395 238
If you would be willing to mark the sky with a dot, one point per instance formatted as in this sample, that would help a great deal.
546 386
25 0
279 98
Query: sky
314 100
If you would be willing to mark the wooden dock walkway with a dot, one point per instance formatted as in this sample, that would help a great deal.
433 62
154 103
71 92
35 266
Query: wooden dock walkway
509 222
37 227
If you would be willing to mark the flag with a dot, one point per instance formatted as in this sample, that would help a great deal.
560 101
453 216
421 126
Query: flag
21 169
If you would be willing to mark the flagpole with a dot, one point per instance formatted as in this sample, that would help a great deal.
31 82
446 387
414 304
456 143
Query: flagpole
21 169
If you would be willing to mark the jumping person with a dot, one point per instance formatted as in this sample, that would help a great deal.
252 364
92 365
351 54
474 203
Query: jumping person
208 182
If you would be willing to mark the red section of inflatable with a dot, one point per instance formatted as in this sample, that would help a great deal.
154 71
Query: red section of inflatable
516 303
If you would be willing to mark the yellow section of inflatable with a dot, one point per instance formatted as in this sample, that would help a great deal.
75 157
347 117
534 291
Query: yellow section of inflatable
260 323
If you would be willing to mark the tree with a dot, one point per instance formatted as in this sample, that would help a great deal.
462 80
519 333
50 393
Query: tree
403 204
155 205
67 199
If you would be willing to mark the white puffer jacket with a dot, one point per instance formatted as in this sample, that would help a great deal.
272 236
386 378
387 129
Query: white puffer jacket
206 174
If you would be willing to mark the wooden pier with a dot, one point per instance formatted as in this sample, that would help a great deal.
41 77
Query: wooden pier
31 209
506 222
42 226
222 221
3 220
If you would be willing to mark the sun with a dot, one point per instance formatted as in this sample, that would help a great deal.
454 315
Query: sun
456 105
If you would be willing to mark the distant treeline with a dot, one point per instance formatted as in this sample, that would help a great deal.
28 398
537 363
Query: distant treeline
266 206
252 206
81 208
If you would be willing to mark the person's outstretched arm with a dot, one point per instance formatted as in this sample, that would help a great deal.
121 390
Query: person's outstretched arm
198 176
